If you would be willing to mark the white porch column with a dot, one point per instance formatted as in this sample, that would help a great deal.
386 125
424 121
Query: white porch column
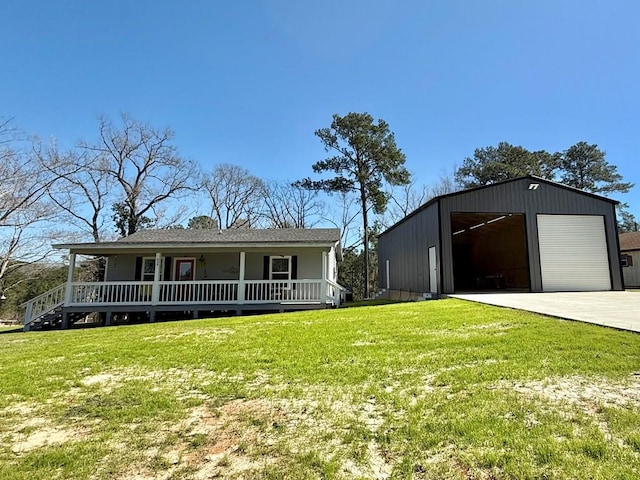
325 283
106 268
241 278
68 291
155 290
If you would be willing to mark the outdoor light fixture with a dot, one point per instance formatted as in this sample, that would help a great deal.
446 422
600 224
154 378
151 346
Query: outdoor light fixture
3 297
533 186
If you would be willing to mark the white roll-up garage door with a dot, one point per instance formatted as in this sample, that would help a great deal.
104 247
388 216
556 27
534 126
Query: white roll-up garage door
573 253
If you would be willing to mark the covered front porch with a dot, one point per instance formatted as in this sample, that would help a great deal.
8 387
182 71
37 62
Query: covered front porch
190 280
198 297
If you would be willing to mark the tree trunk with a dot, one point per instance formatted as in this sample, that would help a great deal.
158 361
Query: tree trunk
365 224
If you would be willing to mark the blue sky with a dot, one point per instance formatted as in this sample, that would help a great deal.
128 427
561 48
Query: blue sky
248 82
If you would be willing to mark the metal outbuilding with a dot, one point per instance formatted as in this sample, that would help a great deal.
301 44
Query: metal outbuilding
523 234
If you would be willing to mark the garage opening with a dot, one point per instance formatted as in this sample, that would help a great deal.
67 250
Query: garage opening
489 252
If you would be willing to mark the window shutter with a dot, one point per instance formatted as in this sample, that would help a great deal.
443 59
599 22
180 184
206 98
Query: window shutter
265 269
167 269
138 274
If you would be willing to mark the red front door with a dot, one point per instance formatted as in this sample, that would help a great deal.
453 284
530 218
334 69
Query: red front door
184 269
184 272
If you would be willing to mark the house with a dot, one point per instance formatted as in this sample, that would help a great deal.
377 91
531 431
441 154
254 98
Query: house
197 272
630 258
523 234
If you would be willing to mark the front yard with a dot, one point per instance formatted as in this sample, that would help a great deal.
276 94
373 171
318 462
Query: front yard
445 389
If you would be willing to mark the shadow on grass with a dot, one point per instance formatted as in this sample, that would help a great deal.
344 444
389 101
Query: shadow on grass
370 303
4 330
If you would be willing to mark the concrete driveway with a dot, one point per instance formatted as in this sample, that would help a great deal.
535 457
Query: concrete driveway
613 309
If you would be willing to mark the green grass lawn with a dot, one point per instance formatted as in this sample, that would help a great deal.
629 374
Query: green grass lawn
441 390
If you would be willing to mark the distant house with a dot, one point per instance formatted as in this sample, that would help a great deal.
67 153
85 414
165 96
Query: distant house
630 258
523 234
199 272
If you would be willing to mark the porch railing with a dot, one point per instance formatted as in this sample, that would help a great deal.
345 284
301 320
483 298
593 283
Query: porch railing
111 293
90 294
43 304
269 291
198 292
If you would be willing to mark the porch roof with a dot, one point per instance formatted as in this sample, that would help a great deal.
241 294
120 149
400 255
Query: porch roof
187 239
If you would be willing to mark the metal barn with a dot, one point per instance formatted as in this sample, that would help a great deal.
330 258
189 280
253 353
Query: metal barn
524 234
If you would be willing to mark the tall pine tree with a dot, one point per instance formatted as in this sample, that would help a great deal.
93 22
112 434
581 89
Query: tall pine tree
365 157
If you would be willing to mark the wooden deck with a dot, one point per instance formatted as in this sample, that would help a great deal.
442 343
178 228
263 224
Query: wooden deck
67 302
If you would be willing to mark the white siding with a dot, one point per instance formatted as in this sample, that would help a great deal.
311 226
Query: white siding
632 273
309 262
332 274
573 253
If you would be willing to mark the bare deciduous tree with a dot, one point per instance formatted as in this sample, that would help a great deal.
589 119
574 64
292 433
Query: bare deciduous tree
146 166
343 216
23 181
83 194
290 206
404 199
235 196
24 184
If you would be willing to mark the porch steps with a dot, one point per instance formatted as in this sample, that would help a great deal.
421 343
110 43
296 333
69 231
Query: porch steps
382 293
53 319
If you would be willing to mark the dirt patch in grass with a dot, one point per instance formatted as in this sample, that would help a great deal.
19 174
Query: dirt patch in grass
25 429
44 436
210 333
233 431
586 393
246 436
178 379
490 326
223 442
37 432
23 409
185 384
362 343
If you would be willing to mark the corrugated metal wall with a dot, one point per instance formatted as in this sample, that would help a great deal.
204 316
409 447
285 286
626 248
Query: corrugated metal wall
407 249
406 245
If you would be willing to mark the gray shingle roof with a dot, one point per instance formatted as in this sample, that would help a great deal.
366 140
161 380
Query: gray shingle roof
187 238
276 235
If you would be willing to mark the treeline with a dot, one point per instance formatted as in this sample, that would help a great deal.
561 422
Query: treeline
131 176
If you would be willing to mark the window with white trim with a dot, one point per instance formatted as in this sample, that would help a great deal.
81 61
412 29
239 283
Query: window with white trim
149 268
280 268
